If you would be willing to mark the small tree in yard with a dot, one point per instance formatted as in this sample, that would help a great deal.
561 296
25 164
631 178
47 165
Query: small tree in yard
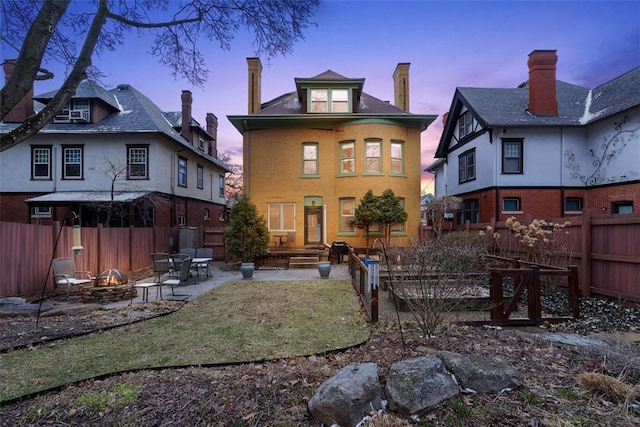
366 214
435 277
246 235
390 213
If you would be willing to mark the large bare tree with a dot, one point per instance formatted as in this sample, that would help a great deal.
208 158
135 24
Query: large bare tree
42 31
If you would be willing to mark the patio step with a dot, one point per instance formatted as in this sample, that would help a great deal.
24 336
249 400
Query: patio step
304 261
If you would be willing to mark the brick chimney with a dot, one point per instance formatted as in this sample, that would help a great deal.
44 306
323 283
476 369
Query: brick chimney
212 129
255 84
401 86
187 100
542 83
24 108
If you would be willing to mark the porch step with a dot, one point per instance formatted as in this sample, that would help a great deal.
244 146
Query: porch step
304 261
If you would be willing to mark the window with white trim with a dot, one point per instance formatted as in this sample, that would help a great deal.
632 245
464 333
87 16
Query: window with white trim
512 156
511 204
41 212
41 163
137 162
281 216
72 162
373 156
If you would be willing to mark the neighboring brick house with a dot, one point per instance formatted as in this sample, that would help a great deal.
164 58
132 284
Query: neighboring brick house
113 157
545 149
310 155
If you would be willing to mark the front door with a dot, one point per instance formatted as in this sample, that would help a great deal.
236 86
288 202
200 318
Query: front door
312 225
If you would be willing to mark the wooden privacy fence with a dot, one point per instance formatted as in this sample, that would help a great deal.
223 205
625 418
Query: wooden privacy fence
27 249
605 247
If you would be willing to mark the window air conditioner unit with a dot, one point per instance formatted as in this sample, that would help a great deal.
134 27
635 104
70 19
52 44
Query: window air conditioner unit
82 115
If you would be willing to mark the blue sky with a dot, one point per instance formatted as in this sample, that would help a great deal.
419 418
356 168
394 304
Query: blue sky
448 43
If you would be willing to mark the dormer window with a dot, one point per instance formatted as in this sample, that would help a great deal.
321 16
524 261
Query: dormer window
329 101
76 110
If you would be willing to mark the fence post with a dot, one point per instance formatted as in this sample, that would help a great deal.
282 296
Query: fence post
574 291
496 298
586 253
533 293
373 273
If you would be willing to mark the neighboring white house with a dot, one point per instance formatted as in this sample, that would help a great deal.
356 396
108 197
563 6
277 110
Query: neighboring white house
545 149
113 157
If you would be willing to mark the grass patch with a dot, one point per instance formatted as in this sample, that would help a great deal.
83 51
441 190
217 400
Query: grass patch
238 321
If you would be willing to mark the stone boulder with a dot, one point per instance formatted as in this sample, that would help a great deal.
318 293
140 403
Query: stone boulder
348 396
416 385
480 373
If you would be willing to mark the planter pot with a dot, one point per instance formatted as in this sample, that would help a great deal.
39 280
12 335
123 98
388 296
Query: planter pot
324 268
247 269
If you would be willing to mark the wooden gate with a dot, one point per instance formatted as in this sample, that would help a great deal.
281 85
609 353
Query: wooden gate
214 238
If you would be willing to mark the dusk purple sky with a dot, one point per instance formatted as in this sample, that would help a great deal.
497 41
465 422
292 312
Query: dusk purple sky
448 43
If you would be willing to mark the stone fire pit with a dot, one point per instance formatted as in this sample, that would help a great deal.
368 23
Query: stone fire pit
109 286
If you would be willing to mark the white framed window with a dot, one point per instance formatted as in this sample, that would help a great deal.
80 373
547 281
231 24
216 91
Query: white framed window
182 171
511 204
329 101
347 158
200 141
467 166
182 220
397 158
137 162
310 158
373 156
71 162
41 163
281 216
41 212
75 110
347 212
200 176
512 156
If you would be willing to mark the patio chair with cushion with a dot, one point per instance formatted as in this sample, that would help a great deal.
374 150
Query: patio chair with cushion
65 273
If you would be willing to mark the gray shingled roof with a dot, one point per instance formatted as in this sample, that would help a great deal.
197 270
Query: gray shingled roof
135 114
577 106
86 89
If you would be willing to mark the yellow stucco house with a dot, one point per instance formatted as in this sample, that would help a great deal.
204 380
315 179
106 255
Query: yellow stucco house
309 156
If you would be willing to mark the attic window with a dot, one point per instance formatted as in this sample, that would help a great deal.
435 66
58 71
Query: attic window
466 125
329 101
75 110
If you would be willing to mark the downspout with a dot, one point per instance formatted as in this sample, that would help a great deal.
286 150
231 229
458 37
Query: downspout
497 176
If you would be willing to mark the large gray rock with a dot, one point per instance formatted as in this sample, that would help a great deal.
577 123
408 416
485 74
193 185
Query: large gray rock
348 396
481 374
416 385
